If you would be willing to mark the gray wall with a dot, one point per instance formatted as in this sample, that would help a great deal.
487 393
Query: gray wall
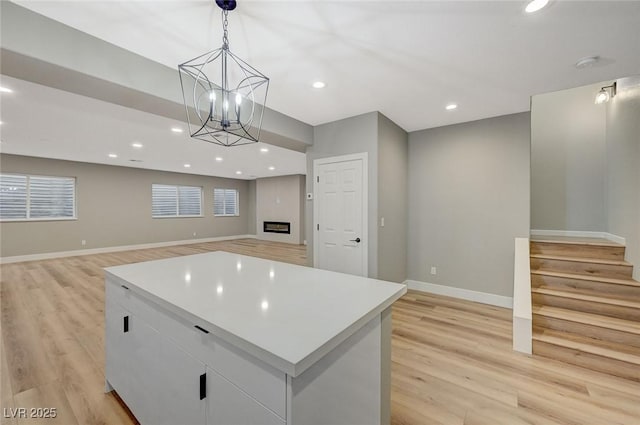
114 209
351 135
568 161
623 176
279 199
393 161
468 200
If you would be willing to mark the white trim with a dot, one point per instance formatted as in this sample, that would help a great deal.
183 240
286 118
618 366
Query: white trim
579 234
522 318
615 238
522 335
92 251
465 294
364 157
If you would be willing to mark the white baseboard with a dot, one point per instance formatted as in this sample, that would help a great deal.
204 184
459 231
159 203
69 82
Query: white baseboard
579 234
465 294
92 251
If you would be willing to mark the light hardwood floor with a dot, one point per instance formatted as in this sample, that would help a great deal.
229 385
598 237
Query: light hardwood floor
452 359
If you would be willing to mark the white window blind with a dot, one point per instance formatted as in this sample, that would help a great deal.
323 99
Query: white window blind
176 201
24 197
225 202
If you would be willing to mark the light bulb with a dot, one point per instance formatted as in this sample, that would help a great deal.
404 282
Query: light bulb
238 101
535 5
602 97
212 96
226 105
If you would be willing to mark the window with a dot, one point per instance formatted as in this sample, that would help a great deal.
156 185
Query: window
24 197
176 201
225 202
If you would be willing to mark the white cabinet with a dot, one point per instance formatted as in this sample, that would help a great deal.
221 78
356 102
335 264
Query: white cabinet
162 375
151 373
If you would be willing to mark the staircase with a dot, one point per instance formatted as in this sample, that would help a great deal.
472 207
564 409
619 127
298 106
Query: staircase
586 306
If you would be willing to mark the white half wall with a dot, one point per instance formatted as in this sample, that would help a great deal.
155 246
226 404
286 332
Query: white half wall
522 315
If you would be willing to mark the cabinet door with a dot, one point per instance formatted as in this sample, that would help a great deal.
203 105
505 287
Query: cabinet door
117 349
228 405
169 381
159 382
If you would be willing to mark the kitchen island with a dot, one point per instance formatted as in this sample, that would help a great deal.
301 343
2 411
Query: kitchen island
221 338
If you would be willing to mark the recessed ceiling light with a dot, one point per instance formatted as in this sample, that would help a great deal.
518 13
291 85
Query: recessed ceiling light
264 150
5 90
587 62
176 129
272 168
137 145
113 155
535 5
451 107
219 158
238 172
187 165
318 85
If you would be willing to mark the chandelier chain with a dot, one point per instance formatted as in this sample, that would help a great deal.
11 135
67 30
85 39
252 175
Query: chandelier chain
225 24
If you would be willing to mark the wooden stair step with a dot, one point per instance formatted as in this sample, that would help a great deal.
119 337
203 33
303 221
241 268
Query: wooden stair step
618 269
589 319
598 249
607 349
587 297
587 324
582 260
575 240
615 359
590 303
591 278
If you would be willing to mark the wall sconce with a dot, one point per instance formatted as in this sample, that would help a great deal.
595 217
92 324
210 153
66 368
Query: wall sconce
606 93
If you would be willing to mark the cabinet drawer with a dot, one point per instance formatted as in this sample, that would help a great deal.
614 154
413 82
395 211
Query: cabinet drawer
262 382
228 405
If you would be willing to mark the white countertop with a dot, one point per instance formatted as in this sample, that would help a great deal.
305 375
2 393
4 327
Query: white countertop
286 315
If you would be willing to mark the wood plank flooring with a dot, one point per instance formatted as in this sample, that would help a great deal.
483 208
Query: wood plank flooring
452 359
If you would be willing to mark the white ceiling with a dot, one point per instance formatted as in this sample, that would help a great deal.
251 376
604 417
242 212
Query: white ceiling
45 122
407 59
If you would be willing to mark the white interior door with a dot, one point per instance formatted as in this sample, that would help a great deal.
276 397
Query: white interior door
340 214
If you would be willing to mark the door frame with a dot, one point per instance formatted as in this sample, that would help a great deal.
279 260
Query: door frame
364 157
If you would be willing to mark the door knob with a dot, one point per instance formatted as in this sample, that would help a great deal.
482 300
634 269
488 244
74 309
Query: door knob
356 240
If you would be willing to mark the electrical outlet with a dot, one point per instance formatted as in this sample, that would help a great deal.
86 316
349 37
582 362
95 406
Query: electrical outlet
194 234
382 222
83 242
434 270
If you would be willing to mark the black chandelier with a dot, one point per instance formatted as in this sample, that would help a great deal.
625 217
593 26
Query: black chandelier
223 95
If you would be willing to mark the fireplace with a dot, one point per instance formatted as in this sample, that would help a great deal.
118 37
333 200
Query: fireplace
276 227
